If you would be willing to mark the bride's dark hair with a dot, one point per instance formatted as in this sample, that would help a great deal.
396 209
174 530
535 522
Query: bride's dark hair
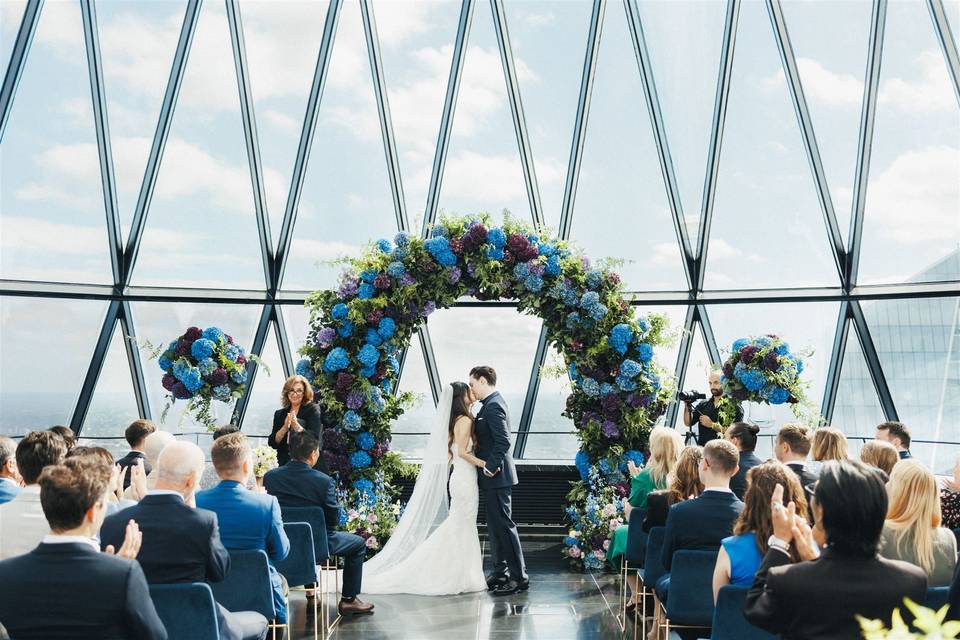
459 407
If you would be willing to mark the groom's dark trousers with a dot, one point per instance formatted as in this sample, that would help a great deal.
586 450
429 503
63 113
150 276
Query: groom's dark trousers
493 446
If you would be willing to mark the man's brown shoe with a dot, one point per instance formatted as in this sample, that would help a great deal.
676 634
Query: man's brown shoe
356 607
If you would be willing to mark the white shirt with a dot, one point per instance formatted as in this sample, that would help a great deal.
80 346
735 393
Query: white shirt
23 525
52 538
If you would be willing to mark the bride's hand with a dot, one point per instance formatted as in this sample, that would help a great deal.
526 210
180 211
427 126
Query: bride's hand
481 463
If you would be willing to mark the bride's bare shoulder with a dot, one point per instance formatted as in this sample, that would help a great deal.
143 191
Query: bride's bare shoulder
463 422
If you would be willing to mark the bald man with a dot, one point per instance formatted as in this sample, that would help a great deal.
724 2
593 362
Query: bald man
181 543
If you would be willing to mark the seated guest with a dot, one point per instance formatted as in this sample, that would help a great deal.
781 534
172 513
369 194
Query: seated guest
792 448
820 596
23 525
829 444
684 484
880 454
209 479
135 434
153 444
115 499
665 447
702 523
744 437
740 554
912 531
180 543
65 588
950 498
298 484
897 434
248 519
9 476
67 434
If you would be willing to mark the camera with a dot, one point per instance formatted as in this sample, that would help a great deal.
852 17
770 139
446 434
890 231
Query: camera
691 396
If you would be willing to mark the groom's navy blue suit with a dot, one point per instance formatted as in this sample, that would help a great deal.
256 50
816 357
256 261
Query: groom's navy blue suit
492 428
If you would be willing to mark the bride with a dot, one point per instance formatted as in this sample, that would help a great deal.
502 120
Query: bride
435 550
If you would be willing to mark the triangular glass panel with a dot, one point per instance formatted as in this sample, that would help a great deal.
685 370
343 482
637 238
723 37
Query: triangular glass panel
416 46
11 15
698 369
410 430
346 198
137 42
266 391
50 187
831 42
297 322
27 351
552 436
953 17
913 194
161 322
483 170
549 39
767 217
114 403
621 208
857 410
201 228
282 41
666 355
686 81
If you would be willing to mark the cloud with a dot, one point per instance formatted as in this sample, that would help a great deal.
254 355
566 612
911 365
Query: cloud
537 20
23 234
283 122
721 249
324 250
838 90
491 178
187 171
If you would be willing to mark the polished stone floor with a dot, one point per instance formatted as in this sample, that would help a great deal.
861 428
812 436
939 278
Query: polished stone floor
559 605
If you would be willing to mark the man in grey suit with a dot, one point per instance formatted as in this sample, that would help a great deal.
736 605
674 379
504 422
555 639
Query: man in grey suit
496 479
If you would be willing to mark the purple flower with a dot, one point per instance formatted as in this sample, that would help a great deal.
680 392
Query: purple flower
181 392
374 317
747 354
218 377
406 280
771 362
728 369
355 399
536 268
348 287
183 347
585 263
472 269
344 380
428 308
169 381
611 406
327 336
193 333
610 429
741 394
333 440
382 281
455 274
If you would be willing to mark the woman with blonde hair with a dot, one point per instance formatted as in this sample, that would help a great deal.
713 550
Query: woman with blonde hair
879 454
912 531
299 413
829 444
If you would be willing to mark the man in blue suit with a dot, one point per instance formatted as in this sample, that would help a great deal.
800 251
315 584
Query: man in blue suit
703 522
9 476
248 519
298 484
180 543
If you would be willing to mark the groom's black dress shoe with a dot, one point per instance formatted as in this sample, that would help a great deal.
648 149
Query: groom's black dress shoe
508 588
523 585
496 581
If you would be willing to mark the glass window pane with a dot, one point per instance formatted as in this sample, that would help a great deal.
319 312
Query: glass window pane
11 14
666 355
161 322
767 218
857 410
137 41
621 208
297 320
28 355
282 40
49 168
698 368
265 393
418 419
346 198
201 229
830 40
684 40
114 404
552 436
910 219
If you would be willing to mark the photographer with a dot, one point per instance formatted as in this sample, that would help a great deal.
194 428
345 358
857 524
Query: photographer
705 414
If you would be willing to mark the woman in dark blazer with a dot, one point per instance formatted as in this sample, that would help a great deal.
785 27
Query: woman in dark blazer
299 413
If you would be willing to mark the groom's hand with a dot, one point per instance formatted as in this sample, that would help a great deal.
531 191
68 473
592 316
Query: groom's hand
488 474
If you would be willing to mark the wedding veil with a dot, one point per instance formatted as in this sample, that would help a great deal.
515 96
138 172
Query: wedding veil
427 507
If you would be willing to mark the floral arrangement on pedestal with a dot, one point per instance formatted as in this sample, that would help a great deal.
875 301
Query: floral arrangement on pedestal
357 331
763 370
201 366
264 459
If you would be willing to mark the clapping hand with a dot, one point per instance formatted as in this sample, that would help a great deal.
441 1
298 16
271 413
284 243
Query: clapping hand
117 481
138 480
784 518
803 540
132 540
633 468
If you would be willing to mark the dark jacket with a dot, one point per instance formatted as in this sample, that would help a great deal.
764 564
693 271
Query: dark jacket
492 428
309 418
297 485
71 591
819 599
700 523
738 483
807 477
127 461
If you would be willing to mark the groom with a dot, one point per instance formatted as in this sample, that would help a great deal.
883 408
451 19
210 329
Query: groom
496 479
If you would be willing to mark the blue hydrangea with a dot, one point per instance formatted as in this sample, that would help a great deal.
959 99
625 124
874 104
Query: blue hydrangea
556 291
365 440
620 338
387 385
384 245
546 249
239 376
570 297
775 394
533 283
799 364
368 275
336 360
644 352
351 421
368 355
387 328
739 344
402 239
591 562
360 459
393 364
439 248
497 237
222 393
368 372
207 366
594 279
213 334
552 268
366 291
630 368
232 352
606 467
165 363
521 271
573 372
762 341
597 312
626 384
495 253
339 311
396 269
573 319
180 369
570 542
401 253
635 456
303 367
782 349
345 329
377 403
752 379
363 485
582 463
606 389
192 380
590 299
373 337
438 232
643 324
590 387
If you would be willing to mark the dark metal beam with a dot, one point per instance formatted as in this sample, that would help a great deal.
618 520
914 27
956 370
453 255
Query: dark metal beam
947 43
709 340
18 58
134 362
283 342
433 374
259 339
683 355
97 358
530 401
873 361
306 141
837 352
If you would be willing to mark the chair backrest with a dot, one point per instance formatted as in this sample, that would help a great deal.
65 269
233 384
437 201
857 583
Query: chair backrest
690 600
636 539
187 610
728 620
300 565
652 565
247 586
936 597
318 523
